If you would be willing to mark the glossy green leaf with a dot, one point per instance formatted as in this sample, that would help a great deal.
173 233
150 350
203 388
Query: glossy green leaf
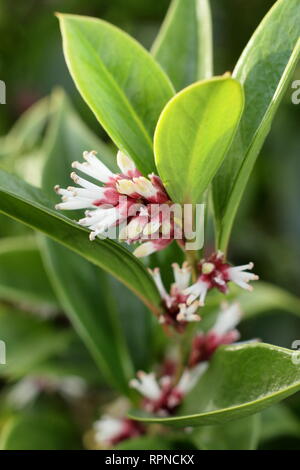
29 205
82 288
40 430
265 69
183 46
11 228
193 134
242 434
23 279
29 342
242 380
120 81
138 327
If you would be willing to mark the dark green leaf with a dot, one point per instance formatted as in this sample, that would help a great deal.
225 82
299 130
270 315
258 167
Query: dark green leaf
22 275
82 288
264 69
119 80
184 44
30 206
242 380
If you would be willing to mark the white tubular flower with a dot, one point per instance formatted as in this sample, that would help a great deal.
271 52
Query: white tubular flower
125 164
109 431
190 377
215 272
223 332
227 320
147 248
178 312
93 167
23 393
187 313
197 290
182 275
107 428
240 277
155 273
126 199
146 385
163 397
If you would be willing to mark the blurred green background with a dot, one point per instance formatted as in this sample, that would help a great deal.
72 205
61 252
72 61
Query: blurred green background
268 227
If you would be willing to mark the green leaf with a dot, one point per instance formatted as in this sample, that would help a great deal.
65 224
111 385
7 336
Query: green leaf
124 87
22 275
26 133
266 297
278 421
29 342
183 46
193 134
242 380
41 430
242 434
82 288
11 228
29 205
74 361
264 69
137 325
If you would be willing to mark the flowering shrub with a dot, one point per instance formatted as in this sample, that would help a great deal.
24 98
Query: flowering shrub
180 142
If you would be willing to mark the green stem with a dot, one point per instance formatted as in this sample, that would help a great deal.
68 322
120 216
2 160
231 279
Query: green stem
192 257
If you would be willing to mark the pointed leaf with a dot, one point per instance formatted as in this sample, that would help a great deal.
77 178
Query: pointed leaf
242 380
264 69
120 81
183 46
29 205
23 279
82 288
193 134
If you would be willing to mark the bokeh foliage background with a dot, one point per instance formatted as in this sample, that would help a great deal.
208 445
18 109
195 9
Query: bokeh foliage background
268 227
